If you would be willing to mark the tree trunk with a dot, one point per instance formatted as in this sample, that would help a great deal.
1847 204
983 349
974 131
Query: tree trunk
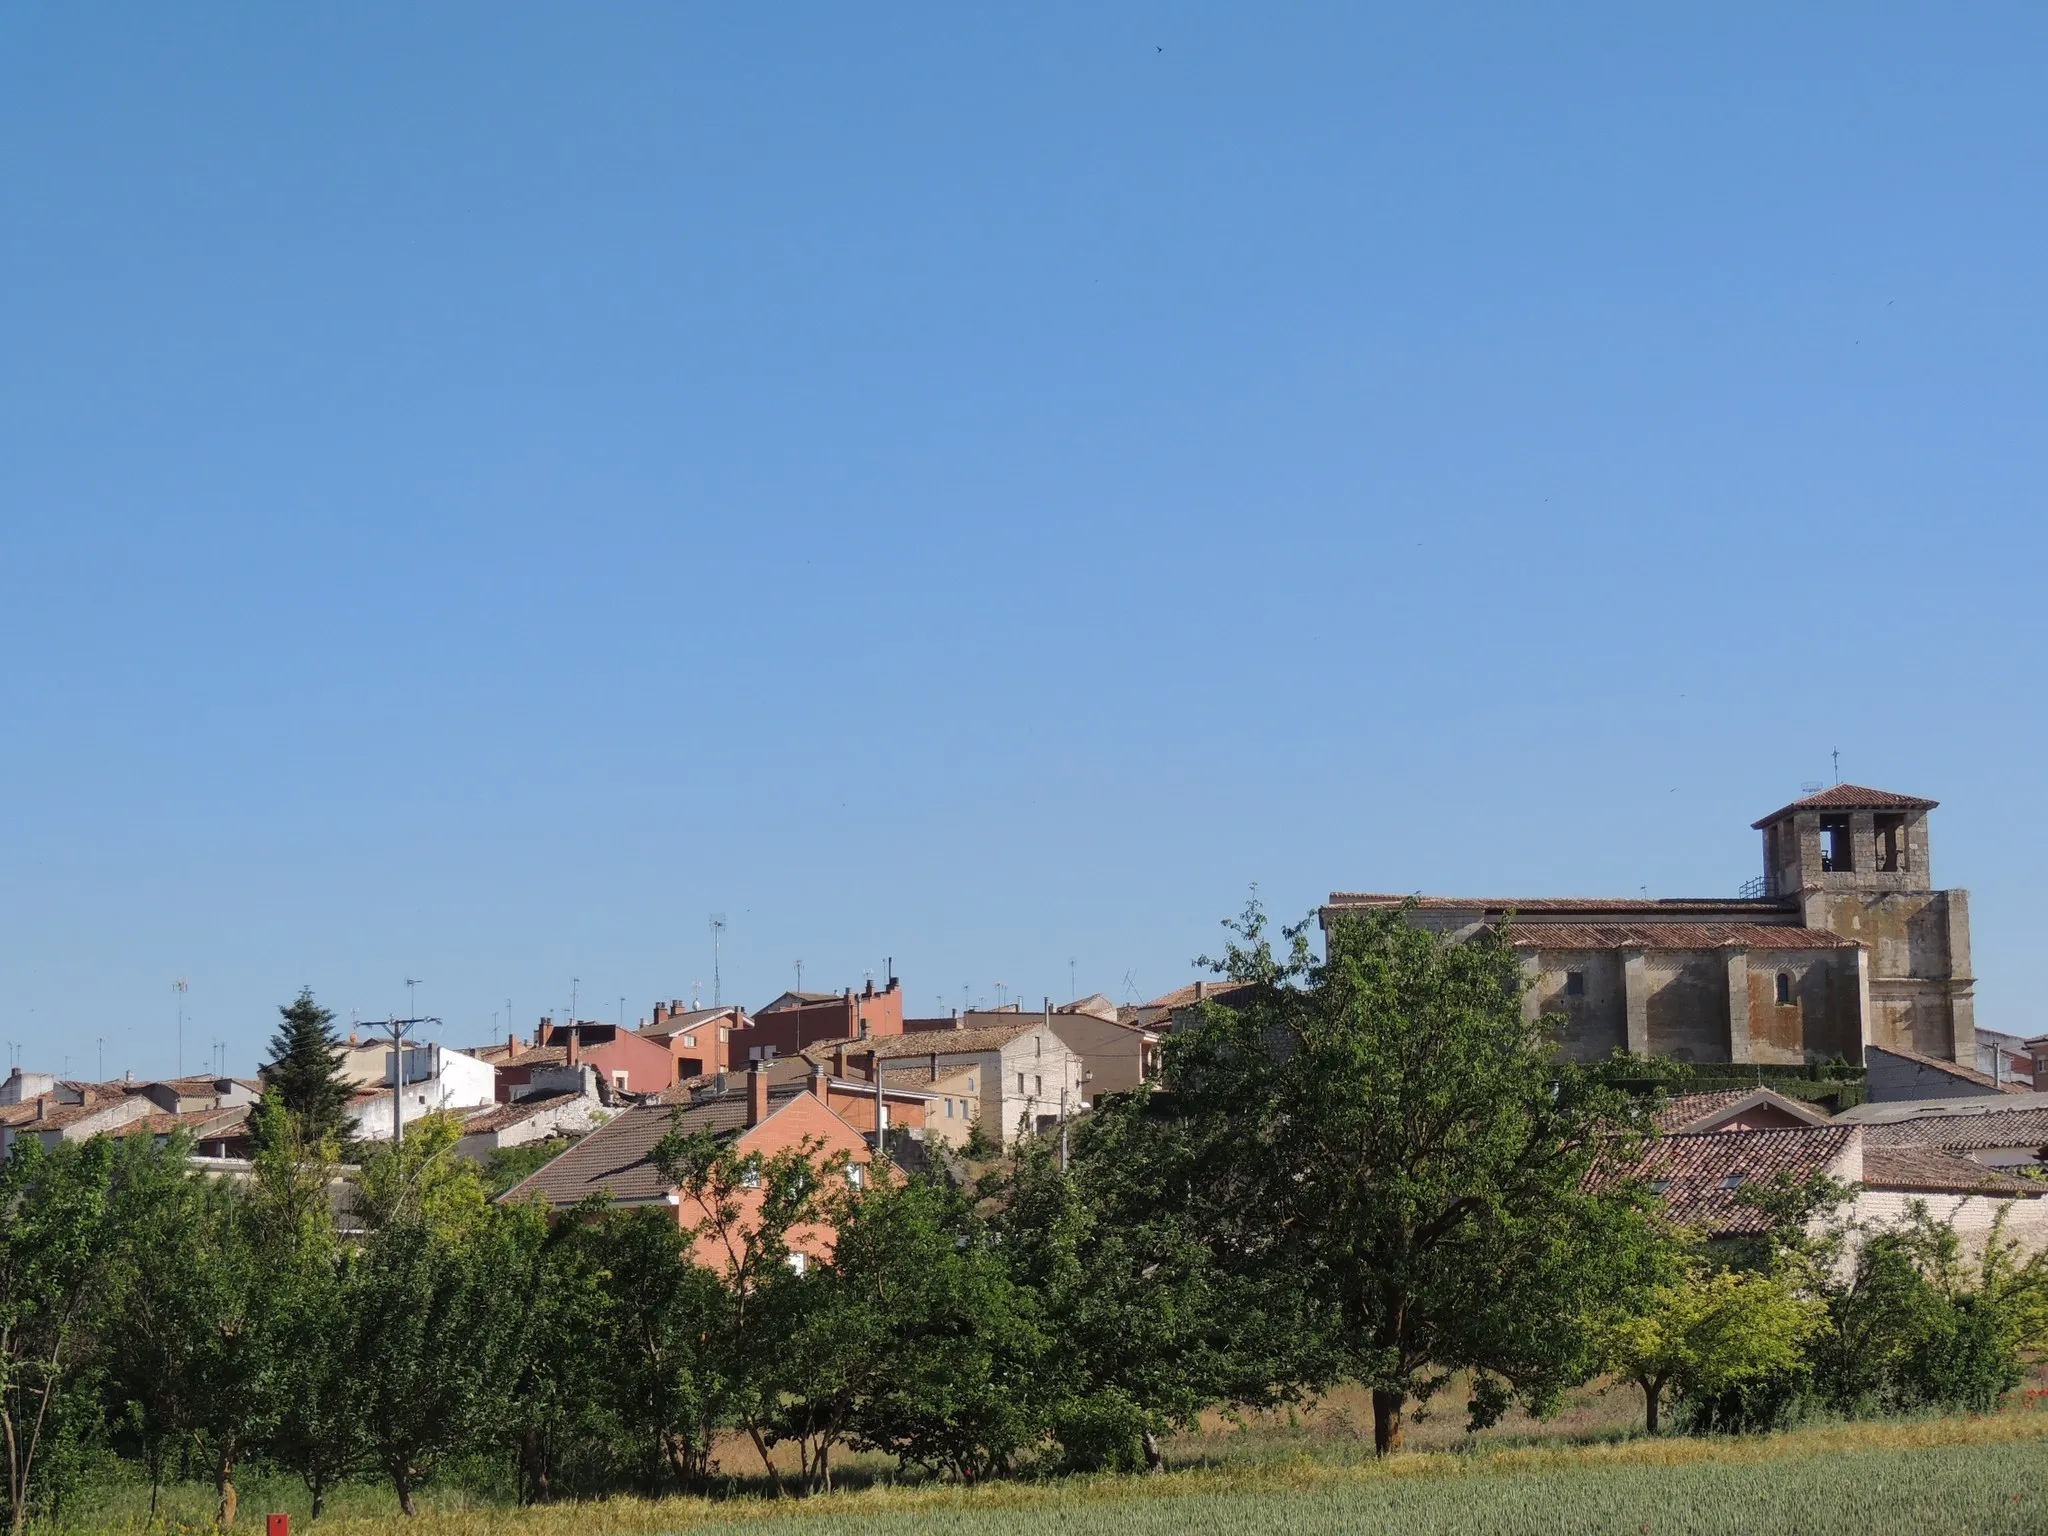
825 1467
318 1485
1386 1420
1155 1459
401 1479
1652 1391
224 1488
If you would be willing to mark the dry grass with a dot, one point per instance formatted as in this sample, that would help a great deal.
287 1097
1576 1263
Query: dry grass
1852 1478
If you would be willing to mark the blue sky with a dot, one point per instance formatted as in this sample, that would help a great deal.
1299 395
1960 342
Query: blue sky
481 491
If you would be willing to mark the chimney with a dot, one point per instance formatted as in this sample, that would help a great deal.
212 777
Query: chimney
511 1043
839 1061
575 1054
818 1084
660 1012
935 1066
757 1095
1201 990
42 1106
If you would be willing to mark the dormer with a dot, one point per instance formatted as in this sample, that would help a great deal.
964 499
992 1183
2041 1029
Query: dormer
1848 838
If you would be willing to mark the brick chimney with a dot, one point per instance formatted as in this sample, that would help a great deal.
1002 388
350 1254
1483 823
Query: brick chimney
935 1066
42 1106
511 1043
1201 990
757 1095
839 1061
819 1085
660 1012
575 1053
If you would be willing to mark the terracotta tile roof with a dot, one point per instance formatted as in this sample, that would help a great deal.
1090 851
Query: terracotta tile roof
947 1042
506 1115
539 1056
1733 908
1184 997
1931 1170
1850 797
1954 1069
613 1159
1699 1174
1671 936
1962 1133
1680 1110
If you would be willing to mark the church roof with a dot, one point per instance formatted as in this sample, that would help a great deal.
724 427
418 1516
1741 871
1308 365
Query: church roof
1850 797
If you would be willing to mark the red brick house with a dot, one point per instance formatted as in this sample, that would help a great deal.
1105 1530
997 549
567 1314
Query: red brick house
626 1061
785 1028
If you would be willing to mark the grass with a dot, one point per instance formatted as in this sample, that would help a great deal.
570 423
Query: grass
1874 1479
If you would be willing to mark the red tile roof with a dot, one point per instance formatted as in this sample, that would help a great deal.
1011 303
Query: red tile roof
1699 1174
1933 1171
1653 908
1850 797
1671 936
1962 1133
506 1115
1682 1109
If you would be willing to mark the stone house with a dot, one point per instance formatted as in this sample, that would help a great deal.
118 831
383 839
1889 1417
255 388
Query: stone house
1027 1076
1842 943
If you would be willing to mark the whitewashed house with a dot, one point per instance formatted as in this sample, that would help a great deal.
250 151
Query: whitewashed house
436 1078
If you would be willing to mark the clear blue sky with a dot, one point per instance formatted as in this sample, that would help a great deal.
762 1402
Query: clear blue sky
483 488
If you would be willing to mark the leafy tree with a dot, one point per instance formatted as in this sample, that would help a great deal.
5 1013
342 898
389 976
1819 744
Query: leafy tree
304 1070
739 1213
430 1320
318 1431
1701 1334
59 1258
423 1179
507 1166
663 1320
1417 1160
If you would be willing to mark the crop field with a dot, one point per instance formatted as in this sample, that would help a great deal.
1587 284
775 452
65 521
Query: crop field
1961 1475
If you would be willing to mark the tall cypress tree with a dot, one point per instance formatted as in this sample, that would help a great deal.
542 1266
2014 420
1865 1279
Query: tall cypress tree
304 1070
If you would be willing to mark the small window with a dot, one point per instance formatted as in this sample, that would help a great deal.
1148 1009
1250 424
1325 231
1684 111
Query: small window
1784 987
1574 983
856 1175
949 1109
1020 1082
689 1042
1733 1181
1038 1086
1891 842
751 1179
1658 1186
799 1263
970 1085
619 1079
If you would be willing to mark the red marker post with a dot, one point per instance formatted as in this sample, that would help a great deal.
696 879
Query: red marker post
277 1525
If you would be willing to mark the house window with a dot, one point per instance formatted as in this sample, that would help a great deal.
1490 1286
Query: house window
1020 1082
689 1042
1733 1181
949 1109
619 1079
856 1175
970 1085
1038 1086
1658 1186
1784 987
1574 983
1835 857
799 1263
751 1179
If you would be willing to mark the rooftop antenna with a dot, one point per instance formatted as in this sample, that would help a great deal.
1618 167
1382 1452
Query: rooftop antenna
695 988
412 998
181 987
717 977
799 975
1837 756
101 1042
1073 991
1001 988
574 983
622 1013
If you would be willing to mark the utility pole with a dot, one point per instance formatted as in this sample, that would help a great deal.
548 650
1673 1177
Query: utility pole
398 1027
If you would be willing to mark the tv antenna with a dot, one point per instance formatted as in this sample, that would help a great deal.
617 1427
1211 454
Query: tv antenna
799 975
717 977
181 987
1001 988
1837 756
1073 990
574 983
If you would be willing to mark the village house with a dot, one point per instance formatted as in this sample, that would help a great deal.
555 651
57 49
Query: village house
2007 1131
436 1078
1027 1075
797 1020
756 1118
1115 1056
1842 943
696 1037
627 1061
839 1084
540 1117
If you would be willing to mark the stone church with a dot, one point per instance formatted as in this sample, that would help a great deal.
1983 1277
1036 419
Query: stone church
1843 943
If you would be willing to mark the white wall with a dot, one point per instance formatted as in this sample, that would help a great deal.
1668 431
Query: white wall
438 1079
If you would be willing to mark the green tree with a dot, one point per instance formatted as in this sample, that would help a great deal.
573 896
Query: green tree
430 1321
424 1179
60 1259
1701 1334
1388 1134
304 1070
